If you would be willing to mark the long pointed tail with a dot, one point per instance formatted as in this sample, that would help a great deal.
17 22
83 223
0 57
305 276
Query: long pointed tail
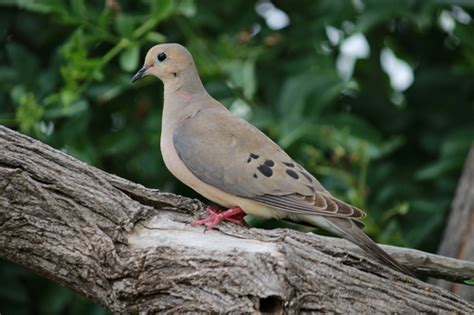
347 229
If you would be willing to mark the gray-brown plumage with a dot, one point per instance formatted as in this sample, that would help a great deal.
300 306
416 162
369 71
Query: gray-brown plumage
229 161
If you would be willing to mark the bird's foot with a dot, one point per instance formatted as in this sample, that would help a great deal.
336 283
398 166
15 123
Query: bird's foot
235 215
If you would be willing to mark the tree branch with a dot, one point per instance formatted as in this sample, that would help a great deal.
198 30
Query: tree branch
458 236
131 249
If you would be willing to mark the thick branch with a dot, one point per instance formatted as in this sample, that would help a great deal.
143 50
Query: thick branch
131 249
458 238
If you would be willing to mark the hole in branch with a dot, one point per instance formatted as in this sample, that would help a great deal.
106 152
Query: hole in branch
272 304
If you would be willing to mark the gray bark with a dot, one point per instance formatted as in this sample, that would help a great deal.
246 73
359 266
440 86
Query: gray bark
458 238
132 249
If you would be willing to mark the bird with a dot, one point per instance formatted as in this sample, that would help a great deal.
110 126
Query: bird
229 161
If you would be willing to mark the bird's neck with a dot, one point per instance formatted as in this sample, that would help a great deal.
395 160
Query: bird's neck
184 95
187 81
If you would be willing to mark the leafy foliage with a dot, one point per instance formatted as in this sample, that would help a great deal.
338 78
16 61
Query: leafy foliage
65 69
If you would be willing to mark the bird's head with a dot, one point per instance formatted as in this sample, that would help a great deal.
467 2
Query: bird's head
166 62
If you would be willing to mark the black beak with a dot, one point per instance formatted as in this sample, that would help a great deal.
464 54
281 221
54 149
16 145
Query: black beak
140 73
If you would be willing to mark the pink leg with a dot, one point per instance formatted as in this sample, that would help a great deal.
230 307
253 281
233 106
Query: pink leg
235 215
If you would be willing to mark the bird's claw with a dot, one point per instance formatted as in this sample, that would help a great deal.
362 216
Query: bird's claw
235 215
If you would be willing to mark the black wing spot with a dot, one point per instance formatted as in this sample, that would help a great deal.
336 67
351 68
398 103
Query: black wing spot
252 156
255 175
265 170
307 177
289 164
292 174
269 163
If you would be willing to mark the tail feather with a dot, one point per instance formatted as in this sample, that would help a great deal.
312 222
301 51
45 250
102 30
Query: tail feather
347 229
364 242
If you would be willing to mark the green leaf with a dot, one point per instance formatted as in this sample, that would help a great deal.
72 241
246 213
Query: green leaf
129 58
297 133
186 8
242 75
67 111
436 170
125 25
28 111
293 95
469 282
67 97
79 8
155 37
160 9
401 208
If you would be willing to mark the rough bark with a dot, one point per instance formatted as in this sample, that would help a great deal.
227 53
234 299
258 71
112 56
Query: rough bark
458 237
131 249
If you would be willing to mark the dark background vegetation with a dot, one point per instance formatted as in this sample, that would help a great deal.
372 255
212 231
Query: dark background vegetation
65 69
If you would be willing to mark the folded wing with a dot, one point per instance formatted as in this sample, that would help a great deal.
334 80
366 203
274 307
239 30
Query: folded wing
230 154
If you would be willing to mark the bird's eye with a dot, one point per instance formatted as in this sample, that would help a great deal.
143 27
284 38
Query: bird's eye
161 56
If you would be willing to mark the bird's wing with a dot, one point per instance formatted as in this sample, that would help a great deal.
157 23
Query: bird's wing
230 154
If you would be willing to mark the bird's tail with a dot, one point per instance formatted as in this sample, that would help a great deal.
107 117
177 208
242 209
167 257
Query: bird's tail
349 230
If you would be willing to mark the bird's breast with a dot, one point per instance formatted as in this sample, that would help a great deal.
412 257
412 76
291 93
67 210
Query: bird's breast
176 166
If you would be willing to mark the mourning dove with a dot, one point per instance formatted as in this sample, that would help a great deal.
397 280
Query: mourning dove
227 160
